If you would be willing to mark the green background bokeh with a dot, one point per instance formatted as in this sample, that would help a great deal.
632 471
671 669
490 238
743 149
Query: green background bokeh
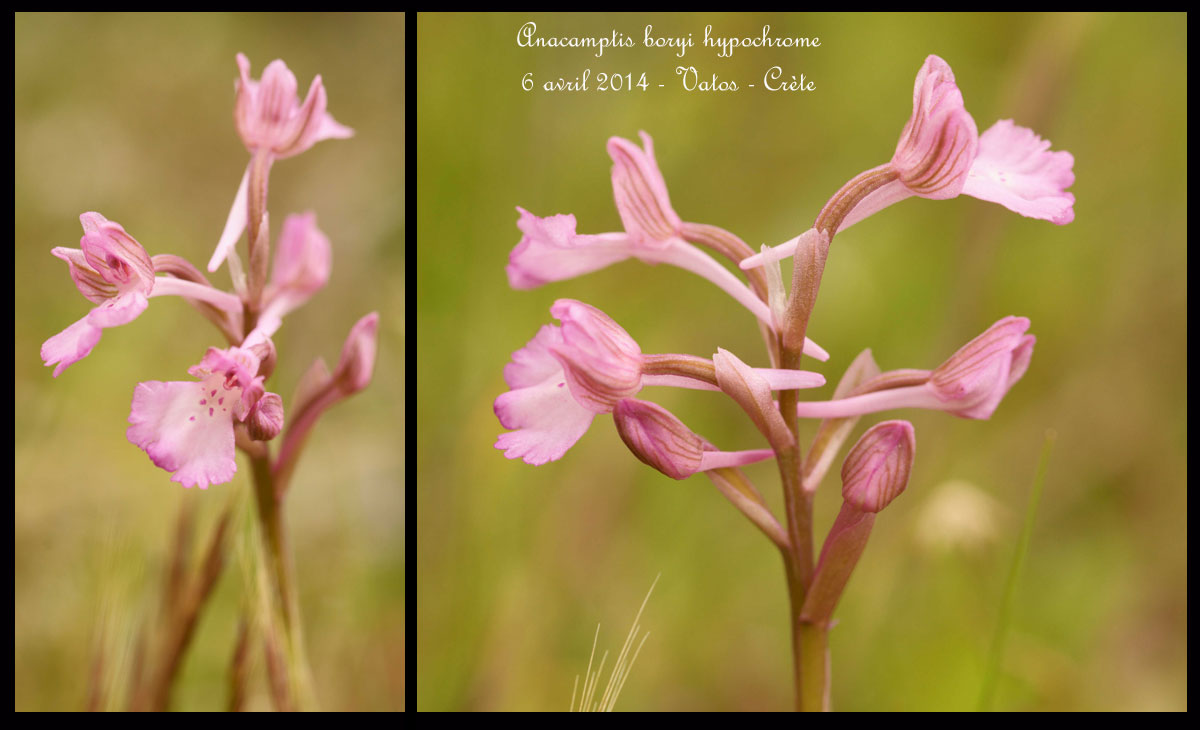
517 564
132 116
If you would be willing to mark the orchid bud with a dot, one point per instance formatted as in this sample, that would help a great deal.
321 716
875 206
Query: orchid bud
874 473
876 470
975 379
601 362
266 418
641 192
268 115
658 438
940 141
354 369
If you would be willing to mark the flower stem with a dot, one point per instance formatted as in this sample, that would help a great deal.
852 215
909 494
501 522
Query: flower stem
270 515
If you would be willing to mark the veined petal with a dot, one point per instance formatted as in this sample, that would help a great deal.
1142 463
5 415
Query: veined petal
115 255
1016 169
186 428
940 140
641 192
87 280
121 309
547 419
71 345
550 250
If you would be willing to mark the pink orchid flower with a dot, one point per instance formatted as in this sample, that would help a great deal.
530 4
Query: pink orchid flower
567 375
550 249
970 384
659 439
113 270
940 155
301 268
186 427
270 118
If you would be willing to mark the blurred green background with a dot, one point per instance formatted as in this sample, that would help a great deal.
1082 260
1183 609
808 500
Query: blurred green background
132 116
518 564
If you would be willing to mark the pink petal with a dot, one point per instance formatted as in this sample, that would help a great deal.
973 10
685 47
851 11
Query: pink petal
331 129
302 262
87 280
121 309
534 362
641 192
186 430
115 255
1016 169
940 140
71 345
550 250
547 418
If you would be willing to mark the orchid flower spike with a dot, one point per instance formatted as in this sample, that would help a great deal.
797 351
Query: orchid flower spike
187 427
550 249
970 384
941 155
113 270
658 438
567 375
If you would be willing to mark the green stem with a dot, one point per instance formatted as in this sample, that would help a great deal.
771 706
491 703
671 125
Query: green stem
270 515
810 676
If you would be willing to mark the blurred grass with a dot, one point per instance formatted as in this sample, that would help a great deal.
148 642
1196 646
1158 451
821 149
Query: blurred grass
516 564
131 116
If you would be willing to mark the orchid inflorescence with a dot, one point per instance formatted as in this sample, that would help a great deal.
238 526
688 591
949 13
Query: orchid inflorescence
190 427
568 374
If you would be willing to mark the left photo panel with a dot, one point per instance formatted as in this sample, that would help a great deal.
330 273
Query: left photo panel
209 362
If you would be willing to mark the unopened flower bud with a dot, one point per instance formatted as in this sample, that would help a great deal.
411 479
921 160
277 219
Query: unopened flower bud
975 379
601 362
874 473
266 418
658 438
358 355
876 470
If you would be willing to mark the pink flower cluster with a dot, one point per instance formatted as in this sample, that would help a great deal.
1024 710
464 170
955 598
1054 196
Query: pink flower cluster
190 427
565 376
